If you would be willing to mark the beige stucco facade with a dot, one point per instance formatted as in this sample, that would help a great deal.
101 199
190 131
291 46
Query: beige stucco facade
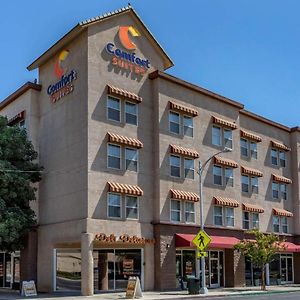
71 137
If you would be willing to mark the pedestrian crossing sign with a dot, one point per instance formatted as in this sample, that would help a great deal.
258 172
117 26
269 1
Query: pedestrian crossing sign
202 240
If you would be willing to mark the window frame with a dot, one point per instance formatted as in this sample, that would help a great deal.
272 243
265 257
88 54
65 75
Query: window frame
227 208
277 157
179 124
273 223
220 136
120 108
137 112
184 168
107 156
247 147
222 215
137 159
108 205
229 179
251 151
224 129
243 184
282 160
137 207
256 221
284 225
180 210
170 170
244 220
191 212
183 125
254 186
285 192
278 190
222 179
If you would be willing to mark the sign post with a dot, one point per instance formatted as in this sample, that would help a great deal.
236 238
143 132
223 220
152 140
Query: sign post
134 289
28 288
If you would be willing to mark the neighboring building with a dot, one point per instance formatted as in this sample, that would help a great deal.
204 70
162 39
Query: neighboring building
120 141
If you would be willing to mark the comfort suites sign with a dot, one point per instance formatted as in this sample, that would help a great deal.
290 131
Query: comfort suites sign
128 59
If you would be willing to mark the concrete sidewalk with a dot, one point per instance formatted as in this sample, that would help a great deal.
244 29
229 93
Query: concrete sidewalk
222 292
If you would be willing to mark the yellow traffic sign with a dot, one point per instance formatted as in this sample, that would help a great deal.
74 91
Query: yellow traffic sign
202 240
202 254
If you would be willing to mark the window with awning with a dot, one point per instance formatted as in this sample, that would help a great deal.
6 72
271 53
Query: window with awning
119 92
124 140
127 189
224 122
225 162
282 212
279 145
250 136
252 208
184 195
251 171
183 109
281 179
223 201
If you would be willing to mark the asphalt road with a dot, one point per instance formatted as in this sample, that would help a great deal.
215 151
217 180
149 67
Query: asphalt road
273 296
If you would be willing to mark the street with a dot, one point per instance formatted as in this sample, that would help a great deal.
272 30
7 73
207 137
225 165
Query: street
273 296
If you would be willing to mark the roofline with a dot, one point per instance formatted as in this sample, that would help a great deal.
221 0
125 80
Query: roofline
163 75
297 128
20 91
80 27
265 120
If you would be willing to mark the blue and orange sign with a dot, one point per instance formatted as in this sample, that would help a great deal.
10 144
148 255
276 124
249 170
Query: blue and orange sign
128 60
64 86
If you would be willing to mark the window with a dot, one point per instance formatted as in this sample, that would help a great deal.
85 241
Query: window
276 224
275 190
175 166
283 190
245 184
229 214
282 159
216 136
227 138
217 173
218 215
188 168
244 147
274 157
113 109
246 220
254 184
131 158
114 205
131 113
253 150
22 124
114 157
131 207
175 211
255 220
174 122
284 224
188 126
189 212
229 176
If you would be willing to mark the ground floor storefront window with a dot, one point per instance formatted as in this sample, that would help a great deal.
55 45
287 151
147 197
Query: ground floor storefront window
10 270
188 265
279 271
112 267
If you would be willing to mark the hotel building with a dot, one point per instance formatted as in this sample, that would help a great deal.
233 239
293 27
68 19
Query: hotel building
120 141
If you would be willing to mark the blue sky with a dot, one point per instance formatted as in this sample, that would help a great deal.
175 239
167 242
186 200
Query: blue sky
247 50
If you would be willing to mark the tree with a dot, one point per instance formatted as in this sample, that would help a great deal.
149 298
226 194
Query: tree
261 250
18 173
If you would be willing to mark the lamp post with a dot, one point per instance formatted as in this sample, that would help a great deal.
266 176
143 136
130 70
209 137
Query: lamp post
203 289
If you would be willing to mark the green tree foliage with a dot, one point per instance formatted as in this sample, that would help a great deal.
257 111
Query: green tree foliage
261 251
16 186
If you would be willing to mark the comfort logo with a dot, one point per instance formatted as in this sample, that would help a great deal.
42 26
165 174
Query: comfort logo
124 36
58 67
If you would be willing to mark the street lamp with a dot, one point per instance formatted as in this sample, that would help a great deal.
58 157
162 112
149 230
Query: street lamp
203 289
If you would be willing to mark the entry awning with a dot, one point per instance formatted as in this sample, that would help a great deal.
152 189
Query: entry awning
250 136
291 247
115 91
125 189
223 122
221 242
184 151
183 108
124 140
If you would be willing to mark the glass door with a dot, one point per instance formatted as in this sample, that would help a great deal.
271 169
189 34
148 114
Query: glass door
286 268
214 273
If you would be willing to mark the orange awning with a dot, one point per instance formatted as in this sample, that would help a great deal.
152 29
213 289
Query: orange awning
183 108
250 136
17 118
221 242
280 146
184 151
125 189
282 212
223 122
281 179
183 195
226 201
250 171
225 162
124 140
112 90
253 208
